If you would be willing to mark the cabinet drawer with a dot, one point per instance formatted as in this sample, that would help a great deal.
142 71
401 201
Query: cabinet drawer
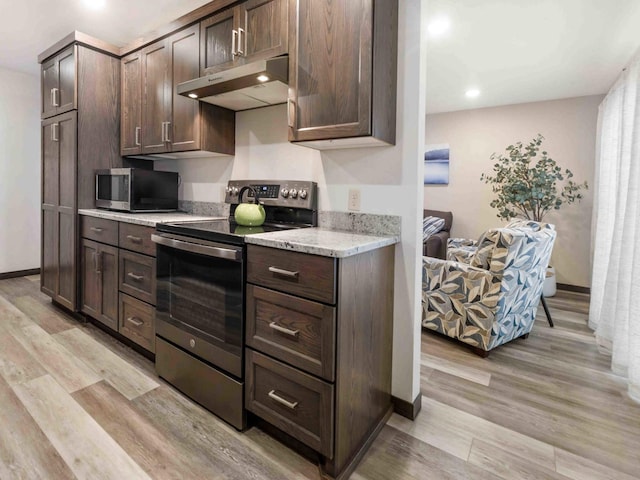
299 332
137 322
138 276
100 230
309 276
137 238
293 401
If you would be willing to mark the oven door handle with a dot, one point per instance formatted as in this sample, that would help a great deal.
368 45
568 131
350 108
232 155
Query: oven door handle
208 250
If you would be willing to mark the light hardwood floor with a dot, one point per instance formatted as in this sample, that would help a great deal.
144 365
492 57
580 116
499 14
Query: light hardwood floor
75 403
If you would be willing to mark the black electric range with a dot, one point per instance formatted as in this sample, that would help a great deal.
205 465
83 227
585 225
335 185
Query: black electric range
288 204
200 312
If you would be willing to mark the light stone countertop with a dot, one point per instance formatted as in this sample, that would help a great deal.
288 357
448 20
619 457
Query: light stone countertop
319 241
147 219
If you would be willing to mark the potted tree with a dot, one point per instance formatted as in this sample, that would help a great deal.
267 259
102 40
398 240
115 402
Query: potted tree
526 182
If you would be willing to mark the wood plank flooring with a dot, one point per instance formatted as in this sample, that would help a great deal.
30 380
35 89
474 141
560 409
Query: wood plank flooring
76 403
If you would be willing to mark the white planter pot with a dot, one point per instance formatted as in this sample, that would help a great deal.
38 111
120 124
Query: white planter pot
549 287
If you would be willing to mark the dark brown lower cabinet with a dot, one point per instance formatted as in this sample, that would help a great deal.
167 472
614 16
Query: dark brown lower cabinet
118 280
318 360
100 282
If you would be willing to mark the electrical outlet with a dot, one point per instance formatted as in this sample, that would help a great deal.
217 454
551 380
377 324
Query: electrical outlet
354 199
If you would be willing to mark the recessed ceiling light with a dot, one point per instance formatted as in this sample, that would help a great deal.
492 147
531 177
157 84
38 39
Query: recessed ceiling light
472 93
193 95
95 4
263 78
438 26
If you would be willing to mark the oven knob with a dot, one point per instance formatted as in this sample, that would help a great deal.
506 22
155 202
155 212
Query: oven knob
234 191
192 343
293 193
284 192
303 194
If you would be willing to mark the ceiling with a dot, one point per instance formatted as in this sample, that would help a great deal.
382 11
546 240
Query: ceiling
517 51
31 26
513 51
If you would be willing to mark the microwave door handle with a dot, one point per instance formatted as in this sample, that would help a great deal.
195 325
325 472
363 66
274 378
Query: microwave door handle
210 251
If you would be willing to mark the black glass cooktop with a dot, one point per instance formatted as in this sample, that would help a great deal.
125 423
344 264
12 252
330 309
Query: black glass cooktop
223 230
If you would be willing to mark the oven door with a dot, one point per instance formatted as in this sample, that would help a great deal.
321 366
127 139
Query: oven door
200 298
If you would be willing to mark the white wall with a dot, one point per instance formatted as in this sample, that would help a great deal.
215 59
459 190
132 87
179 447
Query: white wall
19 171
389 179
569 127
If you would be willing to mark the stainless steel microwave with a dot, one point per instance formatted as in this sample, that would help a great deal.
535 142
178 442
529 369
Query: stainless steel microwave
136 190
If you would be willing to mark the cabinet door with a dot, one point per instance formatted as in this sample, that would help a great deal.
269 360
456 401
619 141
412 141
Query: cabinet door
264 29
91 288
59 219
58 83
131 108
50 168
218 37
67 217
184 131
67 80
58 279
330 70
49 82
108 271
156 98
100 282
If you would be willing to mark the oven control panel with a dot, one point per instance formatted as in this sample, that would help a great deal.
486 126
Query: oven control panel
266 191
277 193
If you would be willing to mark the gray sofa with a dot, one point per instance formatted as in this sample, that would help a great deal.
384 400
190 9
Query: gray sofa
436 245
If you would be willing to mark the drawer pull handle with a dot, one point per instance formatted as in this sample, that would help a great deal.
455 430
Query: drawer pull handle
282 401
284 273
275 326
134 239
135 321
137 278
96 229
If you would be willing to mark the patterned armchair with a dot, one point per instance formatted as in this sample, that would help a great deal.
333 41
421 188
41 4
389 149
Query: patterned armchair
487 292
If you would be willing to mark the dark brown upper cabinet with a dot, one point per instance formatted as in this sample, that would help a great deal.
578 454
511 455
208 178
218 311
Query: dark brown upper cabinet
184 132
253 30
342 73
131 111
155 119
59 93
156 101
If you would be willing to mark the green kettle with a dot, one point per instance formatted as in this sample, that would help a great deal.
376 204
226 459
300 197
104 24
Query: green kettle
249 214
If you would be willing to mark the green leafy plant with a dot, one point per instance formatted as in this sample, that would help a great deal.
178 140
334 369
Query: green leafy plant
526 182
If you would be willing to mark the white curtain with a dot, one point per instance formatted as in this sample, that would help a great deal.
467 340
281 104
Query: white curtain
614 312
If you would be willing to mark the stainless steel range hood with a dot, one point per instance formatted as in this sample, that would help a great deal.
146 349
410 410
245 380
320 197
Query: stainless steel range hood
253 85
